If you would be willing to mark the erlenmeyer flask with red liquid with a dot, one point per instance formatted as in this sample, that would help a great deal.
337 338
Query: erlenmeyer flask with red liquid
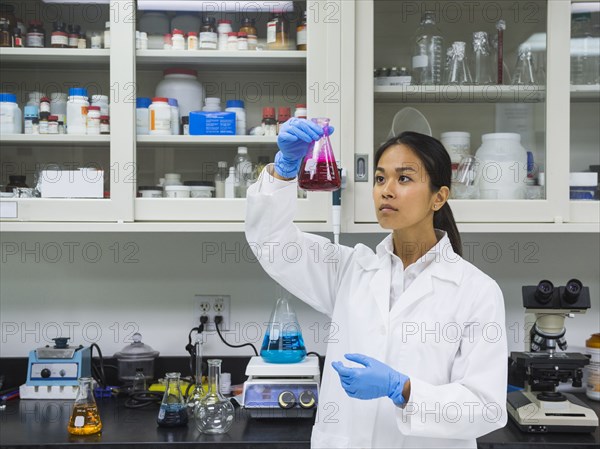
319 171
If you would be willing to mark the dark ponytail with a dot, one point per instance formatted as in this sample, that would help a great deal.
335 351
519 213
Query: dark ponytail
437 163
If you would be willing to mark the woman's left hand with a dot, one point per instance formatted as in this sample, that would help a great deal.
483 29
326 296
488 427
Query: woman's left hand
375 380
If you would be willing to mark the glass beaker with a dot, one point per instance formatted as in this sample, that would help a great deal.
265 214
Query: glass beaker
85 419
173 411
215 413
458 70
319 171
482 59
283 342
524 71
465 184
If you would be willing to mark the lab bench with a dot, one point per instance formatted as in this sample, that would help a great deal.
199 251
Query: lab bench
30 423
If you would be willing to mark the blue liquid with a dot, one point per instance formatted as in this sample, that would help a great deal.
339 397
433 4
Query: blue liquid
172 415
286 349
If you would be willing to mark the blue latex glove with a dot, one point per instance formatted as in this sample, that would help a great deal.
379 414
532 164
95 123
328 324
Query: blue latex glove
295 136
375 380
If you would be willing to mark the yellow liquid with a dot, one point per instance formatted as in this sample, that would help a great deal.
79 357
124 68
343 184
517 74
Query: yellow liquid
85 420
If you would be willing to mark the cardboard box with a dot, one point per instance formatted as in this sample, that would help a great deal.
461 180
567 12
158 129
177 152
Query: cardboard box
212 123
80 183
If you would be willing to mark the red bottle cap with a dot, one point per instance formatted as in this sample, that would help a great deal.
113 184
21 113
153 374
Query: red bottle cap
160 100
94 108
284 114
53 118
268 112
178 71
192 33
233 33
104 117
301 106
224 21
242 34
176 31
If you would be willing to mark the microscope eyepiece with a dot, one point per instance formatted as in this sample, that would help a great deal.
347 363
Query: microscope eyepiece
543 292
572 291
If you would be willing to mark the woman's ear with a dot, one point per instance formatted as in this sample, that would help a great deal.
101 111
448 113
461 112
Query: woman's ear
440 198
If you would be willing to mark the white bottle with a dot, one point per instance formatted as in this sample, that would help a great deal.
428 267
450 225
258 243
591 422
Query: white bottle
35 98
237 106
10 115
243 172
230 184
174 116
178 40
58 105
223 30
160 116
102 101
220 179
77 109
212 104
107 36
142 116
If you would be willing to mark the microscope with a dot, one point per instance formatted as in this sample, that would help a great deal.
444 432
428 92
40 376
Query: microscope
539 408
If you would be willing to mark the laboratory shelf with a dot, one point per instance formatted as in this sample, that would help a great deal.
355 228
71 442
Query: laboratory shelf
586 212
581 93
54 139
459 94
191 141
39 209
217 60
54 58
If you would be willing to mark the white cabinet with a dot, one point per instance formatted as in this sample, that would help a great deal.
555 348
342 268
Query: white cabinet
260 78
380 33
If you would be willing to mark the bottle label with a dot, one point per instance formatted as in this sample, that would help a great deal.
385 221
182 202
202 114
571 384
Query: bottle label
419 61
81 43
18 42
104 128
79 421
186 130
301 37
59 39
7 118
242 44
271 32
53 128
28 126
158 123
208 40
74 41
84 111
35 40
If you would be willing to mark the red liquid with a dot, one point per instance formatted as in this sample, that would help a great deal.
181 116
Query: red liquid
325 179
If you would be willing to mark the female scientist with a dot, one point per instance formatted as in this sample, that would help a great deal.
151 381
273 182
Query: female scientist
419 359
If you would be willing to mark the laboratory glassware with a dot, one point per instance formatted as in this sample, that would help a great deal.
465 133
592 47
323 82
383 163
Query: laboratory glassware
85 418
214 413
197 392
173 411
283 342
427 54
524 71
482 58
458 69
319 171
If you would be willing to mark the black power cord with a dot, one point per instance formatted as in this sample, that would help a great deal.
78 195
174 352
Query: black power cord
218 321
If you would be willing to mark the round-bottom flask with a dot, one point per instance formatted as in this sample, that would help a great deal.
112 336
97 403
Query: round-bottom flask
215 413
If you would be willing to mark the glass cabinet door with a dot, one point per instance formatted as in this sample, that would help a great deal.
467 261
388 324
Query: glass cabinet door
479 76
584 164
243 66
60 95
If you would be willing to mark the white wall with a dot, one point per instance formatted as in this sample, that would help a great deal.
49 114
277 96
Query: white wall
147 282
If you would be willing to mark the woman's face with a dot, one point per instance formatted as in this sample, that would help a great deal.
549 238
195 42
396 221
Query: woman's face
401 192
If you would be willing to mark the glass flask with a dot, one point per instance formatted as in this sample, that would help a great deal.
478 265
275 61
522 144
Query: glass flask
85 419
427 55
173 411
215 413
319 171
458 70
585 50
283 342
482 59
524 71
197 392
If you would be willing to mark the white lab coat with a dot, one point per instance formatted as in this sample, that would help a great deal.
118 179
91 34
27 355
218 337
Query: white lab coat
446 331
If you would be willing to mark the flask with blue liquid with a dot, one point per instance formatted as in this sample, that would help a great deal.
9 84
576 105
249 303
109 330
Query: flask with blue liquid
283 342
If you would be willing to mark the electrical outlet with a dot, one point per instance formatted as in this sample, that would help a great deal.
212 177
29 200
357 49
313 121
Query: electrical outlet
211 306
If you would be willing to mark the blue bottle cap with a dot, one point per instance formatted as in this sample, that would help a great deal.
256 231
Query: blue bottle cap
143 102
235 104
529 162
78 92
8 98
173 102
30 111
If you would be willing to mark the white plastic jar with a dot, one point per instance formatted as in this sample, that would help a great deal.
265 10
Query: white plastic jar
502 171
93 121
301 111
237 106
10 115
458 145
58 105
102 101
182 84
150 192
200 189
178 40
172 179
77 110
142 115
212 104
160 116
223 30
177 191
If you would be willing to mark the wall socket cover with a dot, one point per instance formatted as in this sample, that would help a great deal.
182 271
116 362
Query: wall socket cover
211 306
